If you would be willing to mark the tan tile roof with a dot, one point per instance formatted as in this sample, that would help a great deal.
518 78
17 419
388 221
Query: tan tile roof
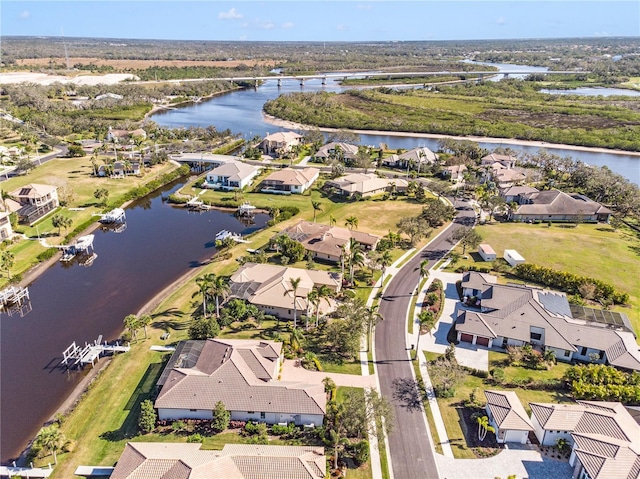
327 239
475 280
495 157
187 461
293 177
507 411
364 183
270 285
348 150
283 137
243 377
421 154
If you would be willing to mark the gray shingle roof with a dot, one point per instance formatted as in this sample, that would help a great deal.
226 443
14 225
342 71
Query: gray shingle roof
507 410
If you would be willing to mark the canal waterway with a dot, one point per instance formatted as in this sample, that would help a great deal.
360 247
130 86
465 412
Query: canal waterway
76 303
241 112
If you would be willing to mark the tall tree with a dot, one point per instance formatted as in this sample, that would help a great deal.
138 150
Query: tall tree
204 284
356 257
317 206
132 323
143 322
6 262
295 284
468 238
52 439
319 293
352 222
220 289
426 320
371 317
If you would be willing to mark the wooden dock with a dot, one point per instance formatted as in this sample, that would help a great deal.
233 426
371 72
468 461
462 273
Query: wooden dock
75 355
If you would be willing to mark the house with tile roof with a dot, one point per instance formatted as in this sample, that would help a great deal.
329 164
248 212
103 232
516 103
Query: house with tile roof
36 200
336 150
281 141
507 416
325 242
416 156
268 287
231 175
605 438
365 184
290 180
514 315
454 173
155 460
555 205
243 374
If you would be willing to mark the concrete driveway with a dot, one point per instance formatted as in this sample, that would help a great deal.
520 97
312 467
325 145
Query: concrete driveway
292 372
525 461
467 354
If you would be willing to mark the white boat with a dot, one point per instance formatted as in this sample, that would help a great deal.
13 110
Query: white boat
113 216
83 243
246 209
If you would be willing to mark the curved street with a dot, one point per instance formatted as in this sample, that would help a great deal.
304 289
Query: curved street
410 444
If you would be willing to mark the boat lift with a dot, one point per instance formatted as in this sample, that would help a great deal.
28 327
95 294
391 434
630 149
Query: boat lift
74 355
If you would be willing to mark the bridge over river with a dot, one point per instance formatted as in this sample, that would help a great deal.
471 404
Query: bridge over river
367 75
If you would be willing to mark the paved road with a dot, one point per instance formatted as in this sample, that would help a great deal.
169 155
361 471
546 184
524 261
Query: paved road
411 447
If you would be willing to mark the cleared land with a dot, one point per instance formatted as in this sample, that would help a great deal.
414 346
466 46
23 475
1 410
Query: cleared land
126 64
593 250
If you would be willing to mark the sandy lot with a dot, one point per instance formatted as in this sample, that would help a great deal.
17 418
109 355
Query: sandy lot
142 64
44 79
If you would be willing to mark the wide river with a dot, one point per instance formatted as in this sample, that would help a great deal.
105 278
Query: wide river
241 112
76 303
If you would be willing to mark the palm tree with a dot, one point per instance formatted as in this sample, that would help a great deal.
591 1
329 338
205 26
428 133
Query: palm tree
132 323
295 283
351 222
384 260
312 298
343 256
52 439
371 317
484 427
428 320
318 293
424 269
356 257
317 206
219 289
144 321
332 220
204 283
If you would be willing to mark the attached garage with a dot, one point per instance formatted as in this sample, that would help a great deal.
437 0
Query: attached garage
466 338
482 341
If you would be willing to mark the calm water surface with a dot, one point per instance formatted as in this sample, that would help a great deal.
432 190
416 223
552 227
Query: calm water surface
241 112
78 303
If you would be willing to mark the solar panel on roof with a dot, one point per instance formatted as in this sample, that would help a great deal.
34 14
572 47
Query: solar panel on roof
612 318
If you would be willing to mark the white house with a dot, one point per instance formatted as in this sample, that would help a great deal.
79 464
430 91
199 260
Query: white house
232 175
242 374
473 283
365 184
508 417
336 150
36 201
512 257
555 421
279 142
290 180
6 231
486 252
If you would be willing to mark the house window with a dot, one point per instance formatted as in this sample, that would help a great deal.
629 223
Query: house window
536 336
567 353
583 352
193 410
262 415
251 412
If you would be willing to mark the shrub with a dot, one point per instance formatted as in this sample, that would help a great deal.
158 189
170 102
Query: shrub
255 429
179 426
498 375
361 452
195 438
47 254
147 417
221 417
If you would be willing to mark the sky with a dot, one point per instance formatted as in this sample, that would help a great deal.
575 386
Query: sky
320 20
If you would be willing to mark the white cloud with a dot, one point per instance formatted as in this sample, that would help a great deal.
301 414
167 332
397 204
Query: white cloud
24 15
501 21
267 25
287 25
363 6
232 14
342 28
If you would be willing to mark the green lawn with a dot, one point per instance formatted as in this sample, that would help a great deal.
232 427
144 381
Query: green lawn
450 408
499 360
593 250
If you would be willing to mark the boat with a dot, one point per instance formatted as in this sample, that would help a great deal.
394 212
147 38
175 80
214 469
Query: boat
224 234
246 209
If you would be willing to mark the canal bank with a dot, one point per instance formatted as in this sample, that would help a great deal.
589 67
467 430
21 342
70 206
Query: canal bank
133 271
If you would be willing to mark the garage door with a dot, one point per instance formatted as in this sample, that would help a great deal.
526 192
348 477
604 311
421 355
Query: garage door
482 341
466 338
